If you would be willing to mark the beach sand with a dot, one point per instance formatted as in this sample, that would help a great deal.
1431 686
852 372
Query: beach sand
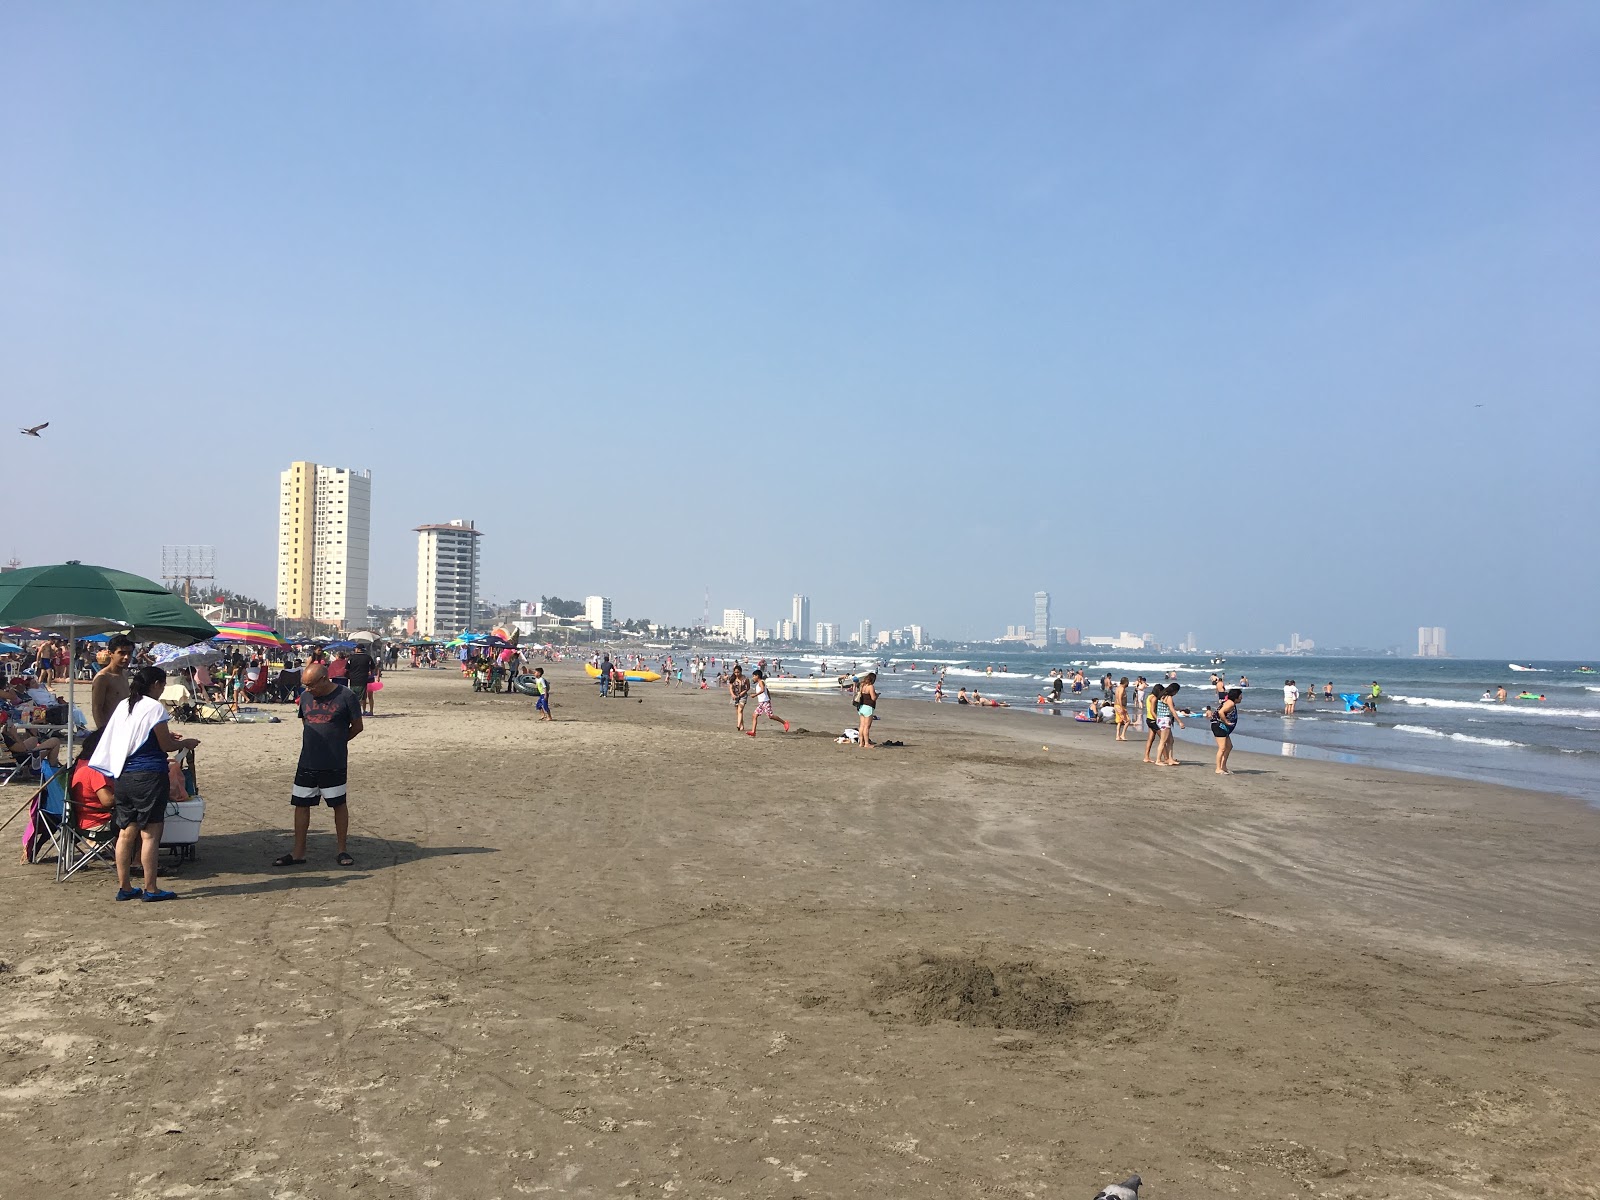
635 954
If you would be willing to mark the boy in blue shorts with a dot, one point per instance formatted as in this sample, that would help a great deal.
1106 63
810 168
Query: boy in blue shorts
541 689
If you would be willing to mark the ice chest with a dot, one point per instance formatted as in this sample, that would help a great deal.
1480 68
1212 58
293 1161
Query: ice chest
183 822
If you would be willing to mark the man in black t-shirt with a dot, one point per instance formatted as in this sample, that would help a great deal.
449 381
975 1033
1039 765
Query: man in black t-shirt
359 669
330 717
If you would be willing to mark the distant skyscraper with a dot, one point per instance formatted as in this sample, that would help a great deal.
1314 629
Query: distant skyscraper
865 634
1072 637
447 577
1041 619
324 526
827 633
800 614
597 611
1430 641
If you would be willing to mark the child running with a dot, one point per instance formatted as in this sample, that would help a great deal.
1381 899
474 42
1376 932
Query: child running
763 698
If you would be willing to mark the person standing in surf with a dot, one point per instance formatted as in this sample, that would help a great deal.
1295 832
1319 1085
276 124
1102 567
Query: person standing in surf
1290 694
1224 719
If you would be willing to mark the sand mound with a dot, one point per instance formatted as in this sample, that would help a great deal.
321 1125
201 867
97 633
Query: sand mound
950 987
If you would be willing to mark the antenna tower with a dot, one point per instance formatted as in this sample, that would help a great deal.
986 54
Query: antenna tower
188 564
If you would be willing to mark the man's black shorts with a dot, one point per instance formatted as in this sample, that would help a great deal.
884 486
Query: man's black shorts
141 798
311 785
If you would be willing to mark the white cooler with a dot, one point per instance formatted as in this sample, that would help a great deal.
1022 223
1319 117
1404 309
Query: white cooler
183 822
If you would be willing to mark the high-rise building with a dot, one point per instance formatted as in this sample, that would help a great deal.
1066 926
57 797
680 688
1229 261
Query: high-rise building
1041 619
324 530
597 611
919 636
800 614
827 633
738 626
864 635
447 577
1430 641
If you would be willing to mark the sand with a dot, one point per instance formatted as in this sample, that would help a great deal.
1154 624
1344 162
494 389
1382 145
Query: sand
634 954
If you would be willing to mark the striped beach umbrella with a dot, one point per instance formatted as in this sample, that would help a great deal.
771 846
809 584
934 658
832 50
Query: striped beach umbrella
249 633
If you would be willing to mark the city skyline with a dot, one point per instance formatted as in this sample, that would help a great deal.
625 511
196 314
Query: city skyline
1343 261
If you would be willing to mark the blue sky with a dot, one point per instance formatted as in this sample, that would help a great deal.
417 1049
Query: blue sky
1182 312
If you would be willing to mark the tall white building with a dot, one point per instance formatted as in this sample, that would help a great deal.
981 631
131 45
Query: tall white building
919 636
800 615
1041 619
1430 641
864 635
827 633
447 577
324 534
597 611
738 626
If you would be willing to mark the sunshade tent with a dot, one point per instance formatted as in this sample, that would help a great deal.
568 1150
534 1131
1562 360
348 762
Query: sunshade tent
366 635
10 648
176 658
77 599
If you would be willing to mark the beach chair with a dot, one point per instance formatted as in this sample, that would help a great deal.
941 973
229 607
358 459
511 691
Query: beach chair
46 811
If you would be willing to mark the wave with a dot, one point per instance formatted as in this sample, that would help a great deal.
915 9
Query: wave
1524 709
1457 737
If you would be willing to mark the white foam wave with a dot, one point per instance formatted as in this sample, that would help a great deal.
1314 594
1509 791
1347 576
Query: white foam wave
1457 737
972 673
1524 708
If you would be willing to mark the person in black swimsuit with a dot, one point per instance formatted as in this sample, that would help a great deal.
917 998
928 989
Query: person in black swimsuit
1224 719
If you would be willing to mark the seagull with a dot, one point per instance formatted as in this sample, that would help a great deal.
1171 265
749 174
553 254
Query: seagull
1128 1189
33 430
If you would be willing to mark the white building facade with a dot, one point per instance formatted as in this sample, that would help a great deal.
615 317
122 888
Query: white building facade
324 544
597 611
447 577
800 616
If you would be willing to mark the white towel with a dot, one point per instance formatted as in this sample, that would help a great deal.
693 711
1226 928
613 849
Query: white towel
124 733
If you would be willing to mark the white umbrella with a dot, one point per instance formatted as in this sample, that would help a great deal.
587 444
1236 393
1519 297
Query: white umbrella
177 658
366 635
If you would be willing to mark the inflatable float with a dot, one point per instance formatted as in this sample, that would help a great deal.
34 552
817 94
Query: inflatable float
631 676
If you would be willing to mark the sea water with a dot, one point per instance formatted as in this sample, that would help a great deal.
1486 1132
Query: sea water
1431 716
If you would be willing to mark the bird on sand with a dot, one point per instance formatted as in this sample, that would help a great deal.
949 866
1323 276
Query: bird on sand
1128 1189
33 430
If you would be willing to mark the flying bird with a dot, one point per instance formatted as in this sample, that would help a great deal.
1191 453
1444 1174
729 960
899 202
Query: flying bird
33 430
1128 1189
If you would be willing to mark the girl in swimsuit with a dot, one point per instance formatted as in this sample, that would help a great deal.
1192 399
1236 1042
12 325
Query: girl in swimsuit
1164 723
1152 699
867 708
1224 719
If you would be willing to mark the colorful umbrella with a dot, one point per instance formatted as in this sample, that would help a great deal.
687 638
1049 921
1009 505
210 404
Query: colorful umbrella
249 633
10 648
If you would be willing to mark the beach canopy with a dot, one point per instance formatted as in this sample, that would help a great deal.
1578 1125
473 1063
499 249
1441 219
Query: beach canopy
366 635
249 633
10 648
340 646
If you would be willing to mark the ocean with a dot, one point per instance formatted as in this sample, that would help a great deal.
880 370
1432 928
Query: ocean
1432 717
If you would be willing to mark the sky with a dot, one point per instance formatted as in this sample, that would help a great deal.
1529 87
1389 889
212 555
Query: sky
1241 318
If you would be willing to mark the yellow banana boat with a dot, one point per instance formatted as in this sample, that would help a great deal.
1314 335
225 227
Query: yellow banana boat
632 676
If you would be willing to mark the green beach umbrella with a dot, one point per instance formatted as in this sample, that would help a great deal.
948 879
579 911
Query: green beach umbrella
79 600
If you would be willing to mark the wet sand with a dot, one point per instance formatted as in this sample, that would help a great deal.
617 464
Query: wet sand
635 954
